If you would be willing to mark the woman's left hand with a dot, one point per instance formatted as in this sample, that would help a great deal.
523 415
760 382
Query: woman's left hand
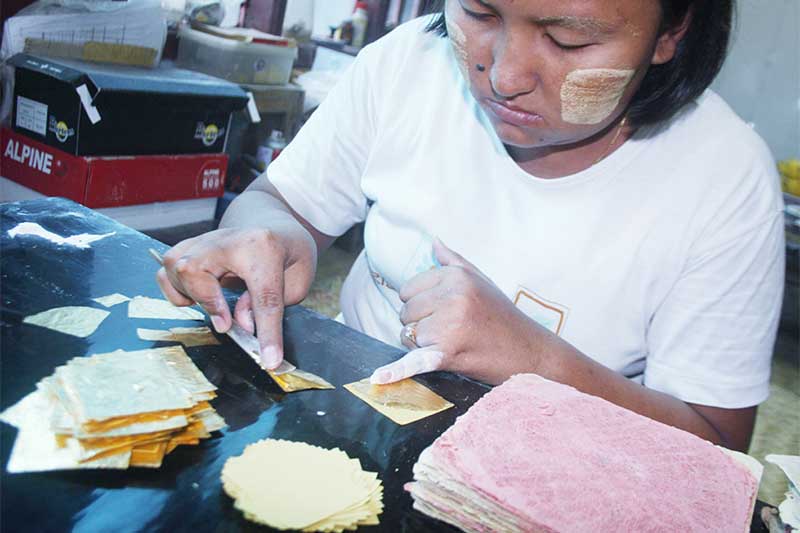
456 319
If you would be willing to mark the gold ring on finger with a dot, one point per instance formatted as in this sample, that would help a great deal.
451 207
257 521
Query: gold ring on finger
409 333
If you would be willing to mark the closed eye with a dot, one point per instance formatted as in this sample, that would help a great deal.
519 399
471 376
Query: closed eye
476 15
567 46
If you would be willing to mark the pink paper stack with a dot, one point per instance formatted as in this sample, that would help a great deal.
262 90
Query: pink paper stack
538 456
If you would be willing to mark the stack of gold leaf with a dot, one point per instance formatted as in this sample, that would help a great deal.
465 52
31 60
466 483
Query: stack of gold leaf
294 485
113 410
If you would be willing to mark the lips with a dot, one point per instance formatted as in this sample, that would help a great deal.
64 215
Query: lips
513 115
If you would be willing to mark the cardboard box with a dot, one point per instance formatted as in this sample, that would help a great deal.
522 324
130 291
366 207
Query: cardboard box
110 181
91 109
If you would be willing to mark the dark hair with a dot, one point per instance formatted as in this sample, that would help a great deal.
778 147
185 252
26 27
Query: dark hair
666 88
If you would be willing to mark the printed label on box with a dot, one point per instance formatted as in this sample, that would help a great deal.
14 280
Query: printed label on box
27 155
31 115
60 128
211 179
208 134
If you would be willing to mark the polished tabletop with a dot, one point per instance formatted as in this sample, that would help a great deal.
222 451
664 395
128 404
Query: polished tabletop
185 494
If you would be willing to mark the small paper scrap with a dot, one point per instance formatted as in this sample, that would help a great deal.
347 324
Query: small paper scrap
72 320
189 337
404 401
144 307
336 493
79 241
790 507
111 300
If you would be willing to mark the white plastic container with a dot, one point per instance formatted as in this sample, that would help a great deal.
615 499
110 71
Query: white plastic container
237 61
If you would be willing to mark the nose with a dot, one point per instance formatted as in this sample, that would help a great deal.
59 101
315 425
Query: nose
514 69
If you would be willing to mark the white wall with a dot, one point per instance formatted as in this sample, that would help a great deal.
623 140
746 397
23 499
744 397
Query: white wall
325 13
761 78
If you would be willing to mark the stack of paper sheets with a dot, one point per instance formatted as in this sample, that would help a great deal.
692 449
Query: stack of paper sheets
113 410
535 455
294 485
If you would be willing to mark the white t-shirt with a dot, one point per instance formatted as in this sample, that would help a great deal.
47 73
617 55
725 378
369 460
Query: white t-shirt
664 261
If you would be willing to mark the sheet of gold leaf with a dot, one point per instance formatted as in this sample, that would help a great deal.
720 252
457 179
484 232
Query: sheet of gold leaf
404 402
170 366
181 441
133 427
105 446
205 396
157 335
101 388
189 337
178 368
212 421
198 409
199 336
36 448
298 380
149 455
111 300
186 373
72 320
117 426
99 444
63 423
144 307
337 494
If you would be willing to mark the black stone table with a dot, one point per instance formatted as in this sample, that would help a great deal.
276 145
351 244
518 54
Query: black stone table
185 494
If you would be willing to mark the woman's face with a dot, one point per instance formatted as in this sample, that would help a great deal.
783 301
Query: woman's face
555 72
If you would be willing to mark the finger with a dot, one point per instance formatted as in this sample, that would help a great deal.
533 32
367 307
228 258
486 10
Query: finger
203 287
422 282
448 257
266 294
420 306
171 258
414 362
424 333
169 291
428 332
243 313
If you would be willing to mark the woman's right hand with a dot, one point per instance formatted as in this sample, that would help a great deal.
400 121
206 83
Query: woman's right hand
277 265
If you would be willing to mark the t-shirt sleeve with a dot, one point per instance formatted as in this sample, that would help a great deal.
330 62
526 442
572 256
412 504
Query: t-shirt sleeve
319 172
711 339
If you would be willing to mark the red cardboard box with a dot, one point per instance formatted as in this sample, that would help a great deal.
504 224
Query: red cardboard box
110 181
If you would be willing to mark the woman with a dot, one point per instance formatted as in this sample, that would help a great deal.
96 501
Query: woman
609 223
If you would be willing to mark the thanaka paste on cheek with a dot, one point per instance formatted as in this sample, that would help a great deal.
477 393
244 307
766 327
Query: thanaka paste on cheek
459 40
589 96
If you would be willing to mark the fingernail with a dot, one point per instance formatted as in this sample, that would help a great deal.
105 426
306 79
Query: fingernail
380 377
271 357
218 323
